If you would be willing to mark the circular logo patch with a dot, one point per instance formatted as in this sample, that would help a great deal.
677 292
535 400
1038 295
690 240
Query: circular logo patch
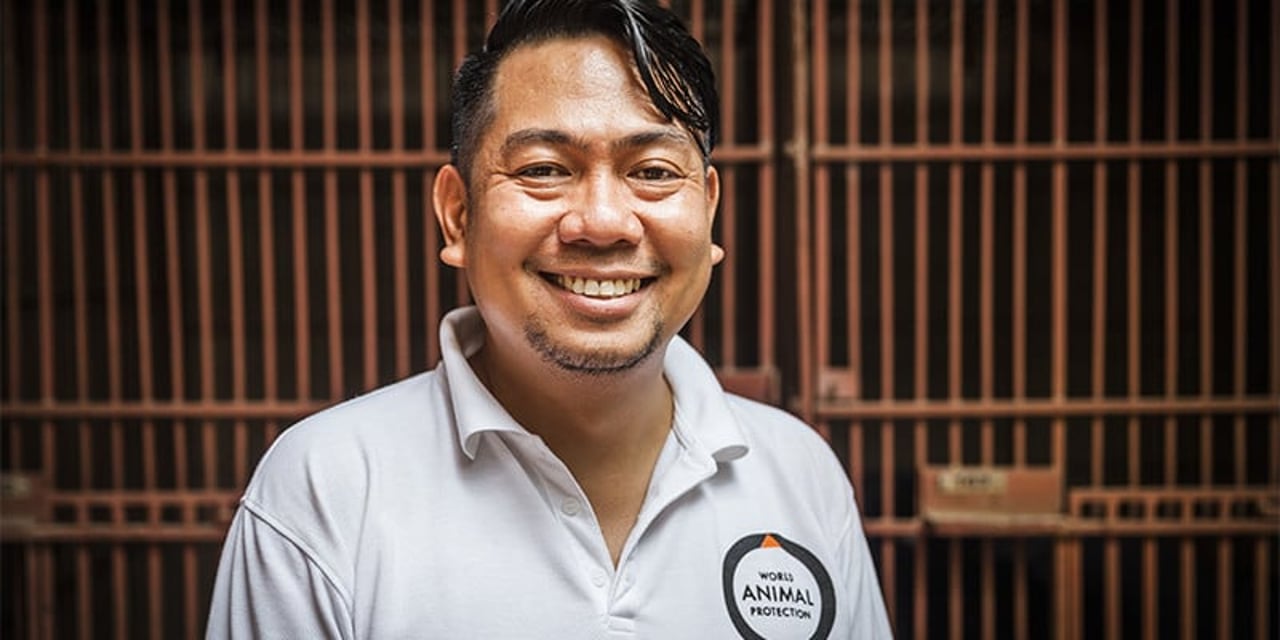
775 588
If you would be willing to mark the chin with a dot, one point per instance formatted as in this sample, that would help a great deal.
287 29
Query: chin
588 361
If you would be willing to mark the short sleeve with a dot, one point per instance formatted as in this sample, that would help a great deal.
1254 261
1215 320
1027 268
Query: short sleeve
268 587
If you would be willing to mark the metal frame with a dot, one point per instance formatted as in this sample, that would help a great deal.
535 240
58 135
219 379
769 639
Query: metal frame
215 221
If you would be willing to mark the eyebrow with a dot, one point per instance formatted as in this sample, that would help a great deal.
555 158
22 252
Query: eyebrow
556 137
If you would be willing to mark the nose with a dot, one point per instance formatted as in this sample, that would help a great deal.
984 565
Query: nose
601 215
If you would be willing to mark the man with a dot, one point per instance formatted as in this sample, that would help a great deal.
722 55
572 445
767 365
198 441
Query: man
571 469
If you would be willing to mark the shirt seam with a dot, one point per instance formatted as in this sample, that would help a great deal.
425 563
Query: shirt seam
308 553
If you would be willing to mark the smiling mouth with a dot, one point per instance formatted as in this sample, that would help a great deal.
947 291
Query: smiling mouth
602 289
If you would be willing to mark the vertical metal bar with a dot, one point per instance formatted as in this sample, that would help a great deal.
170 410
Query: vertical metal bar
119 593
1273 202
853 191
1021 92
1207 293
143 305
204 292
173 248
44 282
399 222
800 150
301 288
955 258
1238 264
1171 243
1111 547
921 339
919 614
13 275
1097 370
431 267
460 50
887 271
764 74
369 265
40 569
235 244
1150 584
332 249
266 233
82 576
955 591
822 196
889 574
986 255
1262 582
1058 259
729 182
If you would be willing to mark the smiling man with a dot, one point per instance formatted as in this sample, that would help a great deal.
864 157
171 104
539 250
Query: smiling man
571 469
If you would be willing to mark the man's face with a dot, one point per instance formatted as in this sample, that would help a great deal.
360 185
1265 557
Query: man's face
586 229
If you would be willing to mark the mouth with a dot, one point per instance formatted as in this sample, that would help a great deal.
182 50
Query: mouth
596 288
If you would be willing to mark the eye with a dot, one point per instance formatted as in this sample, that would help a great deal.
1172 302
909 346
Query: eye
542 171
655 173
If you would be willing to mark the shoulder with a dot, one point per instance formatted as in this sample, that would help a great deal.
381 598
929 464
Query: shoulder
331 452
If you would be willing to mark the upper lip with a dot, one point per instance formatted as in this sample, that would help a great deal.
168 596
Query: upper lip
597 274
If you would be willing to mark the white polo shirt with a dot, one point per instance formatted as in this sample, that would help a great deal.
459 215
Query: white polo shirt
423 510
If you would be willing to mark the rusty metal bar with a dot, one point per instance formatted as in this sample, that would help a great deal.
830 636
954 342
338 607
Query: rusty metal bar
955 590
888 336
266 232
729 181
1262 598
1019 297
738 153
301 287
822 193
204 291
1058 257
828 407
83 606
1171 242
1133 200
368 251
768 258
800 151
431 266
986 255
1112 611
1098 331
888 574
1206 251
460 50
13 275
399 230
119 595
235 238
332 234
955 258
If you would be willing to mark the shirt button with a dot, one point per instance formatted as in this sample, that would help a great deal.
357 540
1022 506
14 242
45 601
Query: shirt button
598 578
571 506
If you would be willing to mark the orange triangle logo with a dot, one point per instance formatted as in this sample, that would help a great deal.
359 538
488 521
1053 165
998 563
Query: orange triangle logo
769 542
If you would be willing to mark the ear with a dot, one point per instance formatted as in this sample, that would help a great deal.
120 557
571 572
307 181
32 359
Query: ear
449 196
713 202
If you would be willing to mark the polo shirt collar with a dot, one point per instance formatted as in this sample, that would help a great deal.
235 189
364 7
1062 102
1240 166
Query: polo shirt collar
704 422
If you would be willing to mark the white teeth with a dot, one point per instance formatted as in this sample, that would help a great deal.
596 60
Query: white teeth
599 288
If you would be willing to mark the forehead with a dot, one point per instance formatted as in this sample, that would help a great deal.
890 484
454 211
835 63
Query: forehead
585 86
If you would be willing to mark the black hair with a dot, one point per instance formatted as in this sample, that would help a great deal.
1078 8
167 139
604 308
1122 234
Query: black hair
671 63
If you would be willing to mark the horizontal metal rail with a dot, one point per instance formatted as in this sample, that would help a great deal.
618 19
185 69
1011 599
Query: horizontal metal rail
827 408
957 152
286 158
1030 407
